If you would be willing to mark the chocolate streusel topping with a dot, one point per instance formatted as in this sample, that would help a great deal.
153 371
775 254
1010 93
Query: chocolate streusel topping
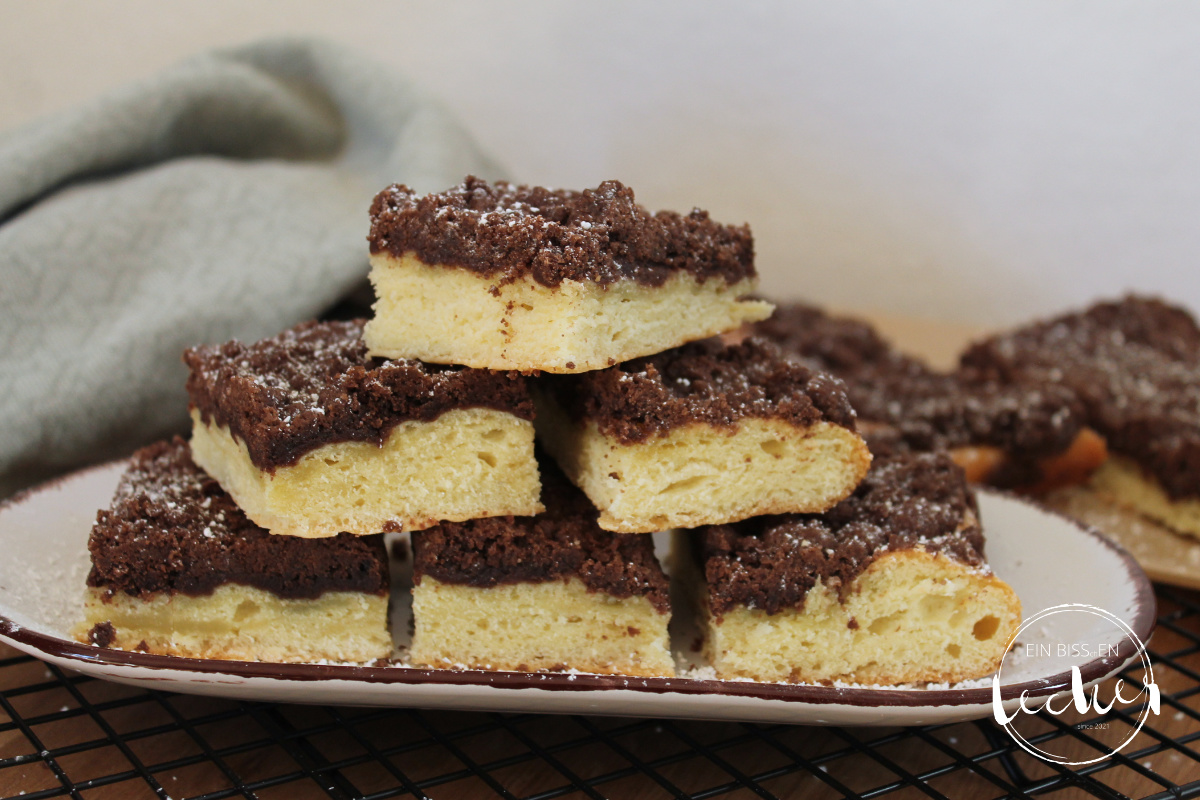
912 501
171 528
102 634
598 235
1134 365
929 410
706 381
1148 322
563 542
314 385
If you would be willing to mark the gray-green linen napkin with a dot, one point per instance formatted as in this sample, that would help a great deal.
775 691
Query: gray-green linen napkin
225 197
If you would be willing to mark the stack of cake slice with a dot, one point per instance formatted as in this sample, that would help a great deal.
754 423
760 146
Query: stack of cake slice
506 309
304 451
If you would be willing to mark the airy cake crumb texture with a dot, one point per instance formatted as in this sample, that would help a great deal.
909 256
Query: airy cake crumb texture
467 463
242 623
552 625
449 315
912 616
704 475
1124 482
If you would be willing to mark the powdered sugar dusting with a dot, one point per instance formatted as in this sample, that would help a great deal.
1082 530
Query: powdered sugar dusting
596 235
316 384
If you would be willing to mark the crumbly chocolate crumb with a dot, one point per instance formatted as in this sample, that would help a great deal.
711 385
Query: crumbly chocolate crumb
1147 322
912 501
599 235
1133 364
314 385
102 634
708 382
171 528
927 409
563 542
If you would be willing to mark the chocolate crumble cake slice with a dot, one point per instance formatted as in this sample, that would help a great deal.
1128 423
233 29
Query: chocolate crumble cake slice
178 569
1134 365
702 434
552 591
313 437
1005 432
889 586
500 276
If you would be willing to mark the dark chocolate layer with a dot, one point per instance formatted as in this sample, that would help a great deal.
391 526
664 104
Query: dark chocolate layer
928 410
907 502
1134 364
707 382
563 542
171 528
314 385
102 634
598 235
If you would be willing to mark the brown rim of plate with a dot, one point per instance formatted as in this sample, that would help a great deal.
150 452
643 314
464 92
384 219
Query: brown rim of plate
1143 624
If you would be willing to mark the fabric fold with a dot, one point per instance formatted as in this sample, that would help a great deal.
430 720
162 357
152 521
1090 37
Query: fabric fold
224 198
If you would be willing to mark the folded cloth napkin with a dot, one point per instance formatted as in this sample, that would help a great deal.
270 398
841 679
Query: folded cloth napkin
225 197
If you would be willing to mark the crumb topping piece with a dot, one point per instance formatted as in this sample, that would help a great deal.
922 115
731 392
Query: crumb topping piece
1133 364
707 382
927 409
600 235
563 542
171 528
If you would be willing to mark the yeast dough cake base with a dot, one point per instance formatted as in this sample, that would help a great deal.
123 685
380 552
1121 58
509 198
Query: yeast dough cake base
910 617
1122 481
467 463
449 315
529 627
700 474
243 623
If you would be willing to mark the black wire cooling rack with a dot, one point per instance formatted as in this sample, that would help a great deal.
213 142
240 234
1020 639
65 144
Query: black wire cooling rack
67 735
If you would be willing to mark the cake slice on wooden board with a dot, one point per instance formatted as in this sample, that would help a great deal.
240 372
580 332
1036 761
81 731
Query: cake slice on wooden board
547 592
499 276
1134 365
702 434
178 569
313 437
890 586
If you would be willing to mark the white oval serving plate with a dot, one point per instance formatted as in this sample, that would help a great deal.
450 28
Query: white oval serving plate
1048 559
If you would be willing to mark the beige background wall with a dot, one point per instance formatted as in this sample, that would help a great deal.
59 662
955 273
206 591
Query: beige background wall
977 162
